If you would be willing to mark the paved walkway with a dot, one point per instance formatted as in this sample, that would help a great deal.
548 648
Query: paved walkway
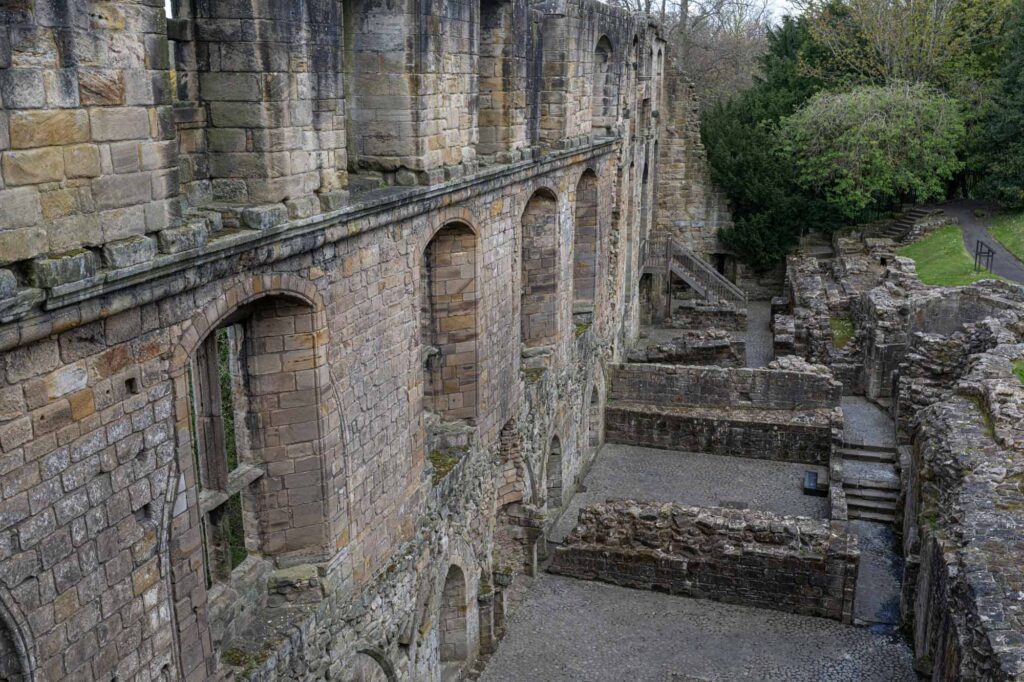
626 471
881 564
974 229
758 336
571 630
865 423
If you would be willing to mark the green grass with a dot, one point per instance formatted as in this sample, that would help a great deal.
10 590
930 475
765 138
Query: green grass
942 259
1008 229
842 331
1018 369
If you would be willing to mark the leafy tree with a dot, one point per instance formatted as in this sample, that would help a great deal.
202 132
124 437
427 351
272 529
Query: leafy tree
769 209
1000 151
875 145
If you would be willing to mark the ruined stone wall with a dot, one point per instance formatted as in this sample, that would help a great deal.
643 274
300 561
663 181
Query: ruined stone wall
712 347
690 208
746 557
776 414
363 473
698 314
767 389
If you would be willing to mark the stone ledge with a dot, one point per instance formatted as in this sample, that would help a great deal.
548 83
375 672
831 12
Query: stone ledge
755 558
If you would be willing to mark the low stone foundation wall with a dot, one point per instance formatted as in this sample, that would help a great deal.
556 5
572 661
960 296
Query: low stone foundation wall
699 314
753 558
779 435
802 387
713 347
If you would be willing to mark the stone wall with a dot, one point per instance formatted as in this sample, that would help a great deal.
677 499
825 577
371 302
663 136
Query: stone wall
216 203
699 314
960 408
768 389
746 557
774 414
712 347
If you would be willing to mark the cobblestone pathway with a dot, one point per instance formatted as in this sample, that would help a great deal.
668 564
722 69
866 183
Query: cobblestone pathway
570 630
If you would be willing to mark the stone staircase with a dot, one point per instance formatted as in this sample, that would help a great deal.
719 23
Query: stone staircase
902 227
871 482
669 255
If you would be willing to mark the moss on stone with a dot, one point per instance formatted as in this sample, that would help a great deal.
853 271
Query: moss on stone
582 328
443 464
1018 369
842 331
248 661
533 375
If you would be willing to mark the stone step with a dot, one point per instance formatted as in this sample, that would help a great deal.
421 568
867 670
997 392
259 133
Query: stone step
850 445
857 514
881 506
869 484
881 456
873 493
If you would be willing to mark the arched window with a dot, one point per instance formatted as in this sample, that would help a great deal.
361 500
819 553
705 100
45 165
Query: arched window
10 658
454 635
368 668
538 313
554 474
449 322
255 425
605 92
585 240
493 73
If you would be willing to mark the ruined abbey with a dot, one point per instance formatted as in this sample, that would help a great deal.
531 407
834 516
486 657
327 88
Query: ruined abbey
330 331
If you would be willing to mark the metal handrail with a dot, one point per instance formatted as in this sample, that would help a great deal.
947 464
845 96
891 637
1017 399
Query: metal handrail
712 280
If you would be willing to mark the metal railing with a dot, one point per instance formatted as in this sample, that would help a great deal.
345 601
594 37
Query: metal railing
662 254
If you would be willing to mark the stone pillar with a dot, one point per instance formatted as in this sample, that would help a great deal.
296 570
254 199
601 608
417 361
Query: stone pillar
270 75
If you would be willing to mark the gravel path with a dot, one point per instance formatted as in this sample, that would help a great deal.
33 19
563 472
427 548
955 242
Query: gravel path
974 229
624 471
570 630
759 334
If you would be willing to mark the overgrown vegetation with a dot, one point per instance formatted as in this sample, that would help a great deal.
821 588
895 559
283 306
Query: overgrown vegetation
443 463
1018 369
842 331
1008 229
942 259
862 105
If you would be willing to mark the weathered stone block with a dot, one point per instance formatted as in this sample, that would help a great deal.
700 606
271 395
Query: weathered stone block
29 129
21 244
33 166
128 123
302 207
101 87
70 267
82 161
8 283
122 190
264 217
22 89
128 252
334 200
192 235
19 208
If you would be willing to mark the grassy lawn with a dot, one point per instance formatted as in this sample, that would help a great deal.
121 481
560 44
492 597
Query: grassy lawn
942 259
1009 230
842 331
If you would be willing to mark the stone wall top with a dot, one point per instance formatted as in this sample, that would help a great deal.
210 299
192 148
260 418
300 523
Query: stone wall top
766 389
